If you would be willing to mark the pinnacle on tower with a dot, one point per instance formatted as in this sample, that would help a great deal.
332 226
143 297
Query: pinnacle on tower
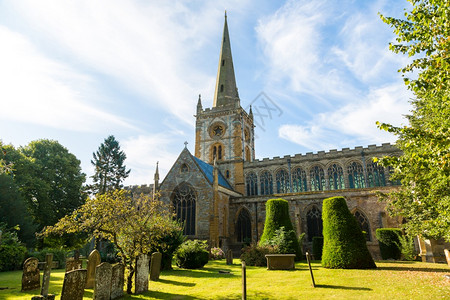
226 91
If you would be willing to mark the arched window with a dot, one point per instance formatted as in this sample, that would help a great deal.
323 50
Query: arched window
356 176
219 152
244 227
252 184
266 183
184 168
363 223
184 202
375 175
282 178
317 178
299 180
314 223
336 177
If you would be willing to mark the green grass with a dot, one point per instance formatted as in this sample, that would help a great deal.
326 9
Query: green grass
391 280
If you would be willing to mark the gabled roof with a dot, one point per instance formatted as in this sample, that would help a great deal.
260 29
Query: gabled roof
207 169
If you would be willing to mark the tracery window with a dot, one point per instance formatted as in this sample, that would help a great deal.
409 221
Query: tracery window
317 177
252 184
375 175
184 202
299 180
363 223
356 176
282 179
266 183
336 177
244 227
314 223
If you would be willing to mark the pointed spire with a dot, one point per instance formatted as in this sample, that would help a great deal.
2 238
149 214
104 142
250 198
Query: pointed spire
226 91
199 104
156 180
250 113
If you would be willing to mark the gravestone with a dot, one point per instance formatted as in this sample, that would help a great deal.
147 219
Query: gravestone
102 288
73 286
447 256
93 261
117 280
229 257
141 276
46 276
155 266
73 264
31 276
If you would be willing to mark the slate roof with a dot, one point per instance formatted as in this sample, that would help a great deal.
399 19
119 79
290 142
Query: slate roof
207 169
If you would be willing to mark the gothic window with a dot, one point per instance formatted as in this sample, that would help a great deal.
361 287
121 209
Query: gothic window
375 175
299 180
227 174
356 176
184 202
282 178
363 223
252 184
266 183
244 227
219 155
247 153
217 152
184 168
221 88
336 177
314 223
317 178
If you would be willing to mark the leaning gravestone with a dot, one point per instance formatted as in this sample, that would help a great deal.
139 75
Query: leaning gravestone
229 257
102 288
155 266
117 280
31 276
141 276
73 286
73 264
93 261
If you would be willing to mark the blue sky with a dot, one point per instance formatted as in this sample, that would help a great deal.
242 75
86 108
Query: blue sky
78 71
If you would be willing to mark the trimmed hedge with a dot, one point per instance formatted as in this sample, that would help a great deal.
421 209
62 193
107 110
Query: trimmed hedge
389 242
317 247
277 216
192 254
344 244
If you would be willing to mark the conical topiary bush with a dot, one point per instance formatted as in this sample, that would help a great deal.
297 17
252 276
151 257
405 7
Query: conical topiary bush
344 245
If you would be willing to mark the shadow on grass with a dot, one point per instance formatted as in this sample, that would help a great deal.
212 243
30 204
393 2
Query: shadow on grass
166 281
412 269
162 295
200 273
340 287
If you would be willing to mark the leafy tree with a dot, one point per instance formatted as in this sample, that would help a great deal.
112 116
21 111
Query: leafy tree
424 168
110 170
133 225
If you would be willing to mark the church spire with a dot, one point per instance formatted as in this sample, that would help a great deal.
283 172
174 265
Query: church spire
226 91
156 181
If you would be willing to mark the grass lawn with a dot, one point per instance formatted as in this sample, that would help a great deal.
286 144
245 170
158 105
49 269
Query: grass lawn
392 280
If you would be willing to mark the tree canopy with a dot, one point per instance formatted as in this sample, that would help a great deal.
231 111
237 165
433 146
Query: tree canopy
424 168
110 170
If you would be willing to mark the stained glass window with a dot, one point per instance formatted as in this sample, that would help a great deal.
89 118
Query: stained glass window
317 177
314 223
266 183
184 201
252 184
356 176
299 180
363 223
244 227
375 175
336 177
282 179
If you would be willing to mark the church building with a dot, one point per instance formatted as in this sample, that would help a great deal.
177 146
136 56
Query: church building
220 190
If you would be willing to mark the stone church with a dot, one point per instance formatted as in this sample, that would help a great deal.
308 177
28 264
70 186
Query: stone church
219 192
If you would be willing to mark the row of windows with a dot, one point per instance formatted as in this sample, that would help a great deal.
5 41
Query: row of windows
316 181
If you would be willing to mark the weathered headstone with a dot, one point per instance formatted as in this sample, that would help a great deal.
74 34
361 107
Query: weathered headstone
46 276
93 261
31 276
229 257
155 266
141 276
73 264
73 286
447 256
102 288
117 280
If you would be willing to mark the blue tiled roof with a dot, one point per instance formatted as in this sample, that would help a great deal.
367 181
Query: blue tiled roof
207 169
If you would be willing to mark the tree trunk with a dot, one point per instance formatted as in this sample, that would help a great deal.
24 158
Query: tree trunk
130 280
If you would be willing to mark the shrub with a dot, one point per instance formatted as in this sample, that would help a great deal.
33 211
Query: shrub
12 251
407 247
169 243
192 254
217 253
277 216
344 245
254 255
389 242
282 242
58 255
317 247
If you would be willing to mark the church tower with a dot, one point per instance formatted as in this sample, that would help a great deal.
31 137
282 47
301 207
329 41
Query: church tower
225 132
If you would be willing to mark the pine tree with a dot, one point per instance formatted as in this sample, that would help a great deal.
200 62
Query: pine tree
110 170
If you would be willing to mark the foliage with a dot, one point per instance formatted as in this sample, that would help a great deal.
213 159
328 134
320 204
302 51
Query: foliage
317 247
168 243
344 244
217 253
5 167
254 255
388 240
282 242
12 252
134 225
110 170
277 216
59 255
424 168
407 247
192 254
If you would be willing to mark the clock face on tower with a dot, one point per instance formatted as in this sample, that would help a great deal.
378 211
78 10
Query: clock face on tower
217 130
